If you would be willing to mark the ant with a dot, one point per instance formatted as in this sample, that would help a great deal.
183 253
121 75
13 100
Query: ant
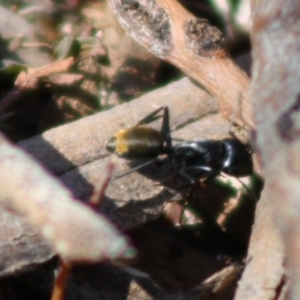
199 159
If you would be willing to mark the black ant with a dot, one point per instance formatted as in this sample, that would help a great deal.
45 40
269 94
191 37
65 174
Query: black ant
202 159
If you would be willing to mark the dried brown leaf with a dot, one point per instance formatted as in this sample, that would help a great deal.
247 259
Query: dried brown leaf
30 78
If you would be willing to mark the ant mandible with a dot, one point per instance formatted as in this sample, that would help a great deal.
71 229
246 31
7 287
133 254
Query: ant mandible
199 159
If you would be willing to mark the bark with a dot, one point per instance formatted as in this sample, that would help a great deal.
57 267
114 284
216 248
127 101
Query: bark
274 248
27 189
191 44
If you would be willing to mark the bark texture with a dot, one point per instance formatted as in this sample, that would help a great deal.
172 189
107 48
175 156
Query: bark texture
273 270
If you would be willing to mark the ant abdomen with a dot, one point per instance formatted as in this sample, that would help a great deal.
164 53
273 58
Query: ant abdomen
136 142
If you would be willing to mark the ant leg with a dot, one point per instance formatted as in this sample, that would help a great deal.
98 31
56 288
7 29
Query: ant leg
134 169
202 171
248 190
206 172
234 132
178 139
150 117
165 128
237 130
192 184
187 177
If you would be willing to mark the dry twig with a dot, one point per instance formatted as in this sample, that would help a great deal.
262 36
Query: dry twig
275 97
69 226
172 33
